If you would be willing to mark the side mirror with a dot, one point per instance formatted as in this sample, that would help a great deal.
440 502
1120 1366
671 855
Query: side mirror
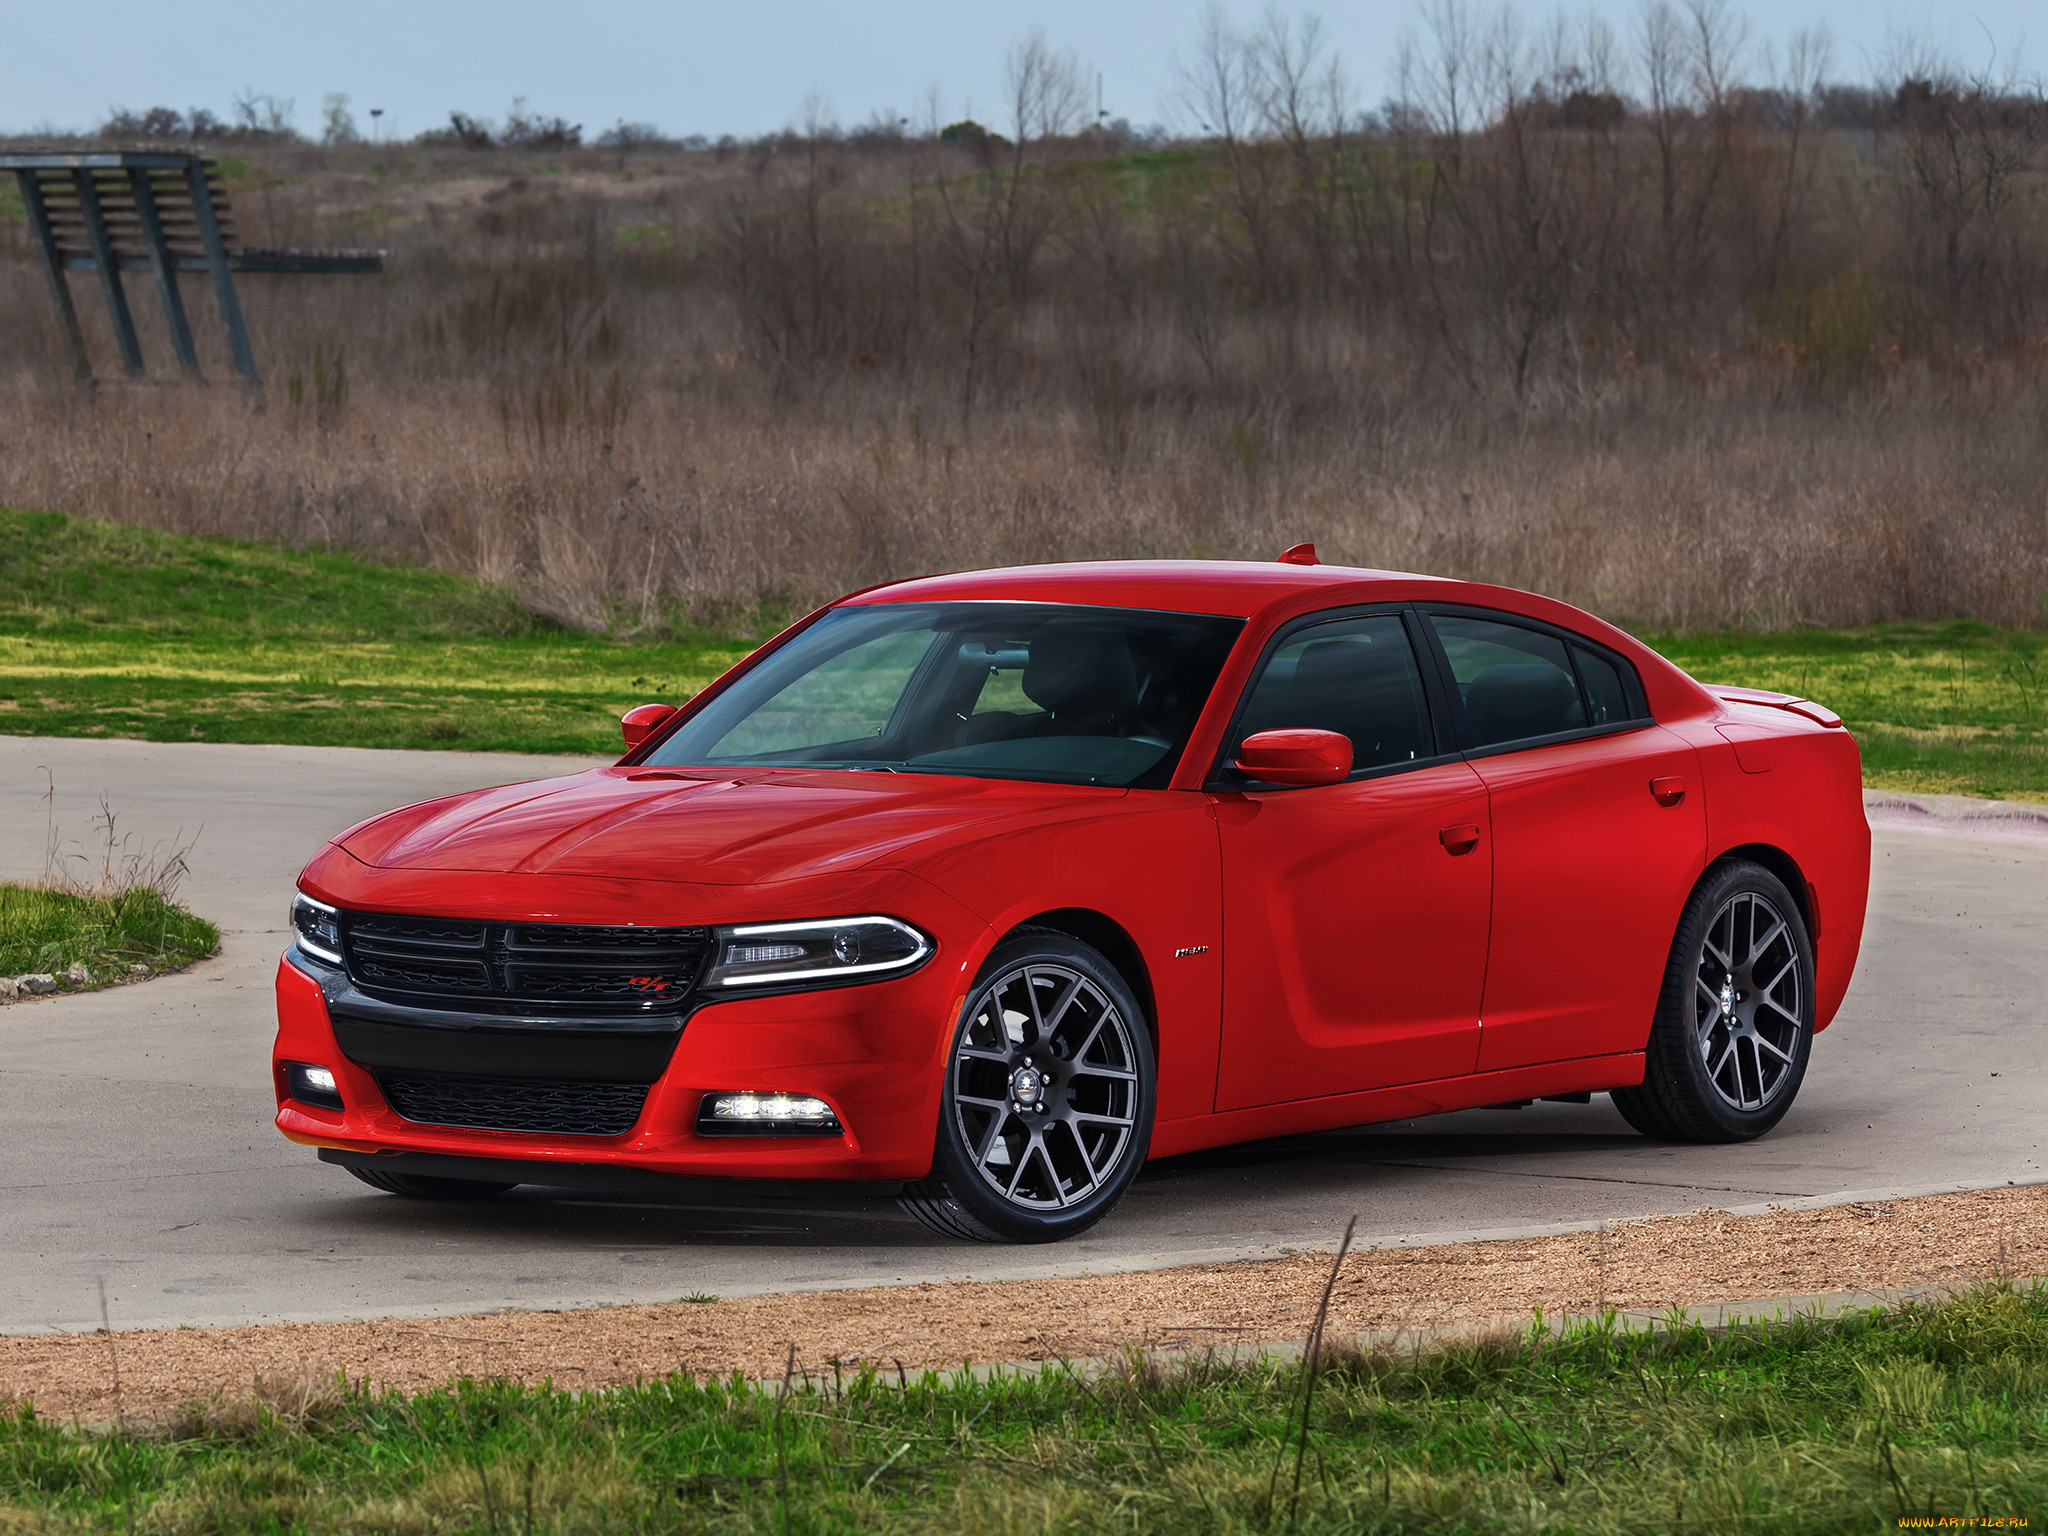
1295 757
641 722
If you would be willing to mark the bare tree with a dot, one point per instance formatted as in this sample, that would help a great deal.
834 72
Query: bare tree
1303 101
1799 83
1219 88
337 123
1523 198
1688 55
993 239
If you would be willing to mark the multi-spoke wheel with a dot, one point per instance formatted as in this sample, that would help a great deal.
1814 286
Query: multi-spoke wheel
1048 1098
1749 1010
1735 1022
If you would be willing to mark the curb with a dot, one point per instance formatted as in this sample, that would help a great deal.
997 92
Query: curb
1752 1208
1893 810
1192 1258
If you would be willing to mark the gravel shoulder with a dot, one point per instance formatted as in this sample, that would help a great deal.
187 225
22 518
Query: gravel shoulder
1702 1257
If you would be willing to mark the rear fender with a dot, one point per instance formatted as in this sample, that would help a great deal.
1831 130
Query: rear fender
1797 808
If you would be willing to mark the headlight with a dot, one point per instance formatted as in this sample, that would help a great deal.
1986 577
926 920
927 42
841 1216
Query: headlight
818 953
318 927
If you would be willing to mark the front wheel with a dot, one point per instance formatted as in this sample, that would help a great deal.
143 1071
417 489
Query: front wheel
1734 1024
1048 1099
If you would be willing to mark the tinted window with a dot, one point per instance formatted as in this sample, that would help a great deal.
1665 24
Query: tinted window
1515 682
1606 698
986 690
1356 677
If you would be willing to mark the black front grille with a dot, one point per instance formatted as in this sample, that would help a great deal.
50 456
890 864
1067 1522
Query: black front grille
523 967
515 1104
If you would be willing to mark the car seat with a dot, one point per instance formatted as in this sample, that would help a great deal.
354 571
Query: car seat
1083 679
1519 699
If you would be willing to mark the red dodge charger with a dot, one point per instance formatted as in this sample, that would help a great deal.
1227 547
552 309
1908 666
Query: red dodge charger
988 887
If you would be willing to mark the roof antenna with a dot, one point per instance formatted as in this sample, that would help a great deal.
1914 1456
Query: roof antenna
1299 554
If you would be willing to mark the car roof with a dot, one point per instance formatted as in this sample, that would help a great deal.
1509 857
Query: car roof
1271 593
1237 588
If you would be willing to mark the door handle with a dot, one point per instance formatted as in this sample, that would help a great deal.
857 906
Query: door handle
1460 839
1669 791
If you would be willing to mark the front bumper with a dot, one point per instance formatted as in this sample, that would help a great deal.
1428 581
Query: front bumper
875 1053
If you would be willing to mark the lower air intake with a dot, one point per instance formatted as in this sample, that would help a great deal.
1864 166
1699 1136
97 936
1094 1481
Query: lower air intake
515 1104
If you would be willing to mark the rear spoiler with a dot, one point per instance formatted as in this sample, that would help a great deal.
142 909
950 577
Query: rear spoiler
1820 714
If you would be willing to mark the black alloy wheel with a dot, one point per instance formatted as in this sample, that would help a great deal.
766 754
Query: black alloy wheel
1734 1024
423 1186
1048 1099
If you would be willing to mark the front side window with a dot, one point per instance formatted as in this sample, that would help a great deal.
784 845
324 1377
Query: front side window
1357 677
1517 683
1045 692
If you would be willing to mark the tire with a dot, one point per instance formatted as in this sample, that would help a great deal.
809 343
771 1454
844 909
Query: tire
1048 1101
1734 1025
421 1186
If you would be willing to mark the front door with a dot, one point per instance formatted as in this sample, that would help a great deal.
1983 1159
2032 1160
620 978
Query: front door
1355 914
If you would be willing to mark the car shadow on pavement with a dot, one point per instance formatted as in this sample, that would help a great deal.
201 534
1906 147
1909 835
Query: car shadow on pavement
538 1217
1242 1182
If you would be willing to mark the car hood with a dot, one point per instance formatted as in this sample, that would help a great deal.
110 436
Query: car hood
697 826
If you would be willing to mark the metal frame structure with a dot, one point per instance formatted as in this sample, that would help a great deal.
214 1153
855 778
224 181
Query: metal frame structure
161 211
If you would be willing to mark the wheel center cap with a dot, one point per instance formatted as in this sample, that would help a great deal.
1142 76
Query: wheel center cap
1027 1085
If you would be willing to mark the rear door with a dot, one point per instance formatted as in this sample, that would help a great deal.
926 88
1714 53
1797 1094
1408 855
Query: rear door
1354 913
1599 831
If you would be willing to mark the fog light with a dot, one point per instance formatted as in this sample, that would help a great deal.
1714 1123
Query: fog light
765 1114
311 1084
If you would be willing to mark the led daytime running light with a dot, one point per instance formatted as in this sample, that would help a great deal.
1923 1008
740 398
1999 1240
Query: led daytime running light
818 952
317 928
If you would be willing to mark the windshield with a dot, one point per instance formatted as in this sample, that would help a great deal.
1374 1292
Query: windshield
1048 692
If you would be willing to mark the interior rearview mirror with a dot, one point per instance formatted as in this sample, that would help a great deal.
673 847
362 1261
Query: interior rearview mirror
642 721
1295 756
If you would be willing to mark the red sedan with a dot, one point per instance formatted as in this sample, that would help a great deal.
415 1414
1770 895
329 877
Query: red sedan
991 886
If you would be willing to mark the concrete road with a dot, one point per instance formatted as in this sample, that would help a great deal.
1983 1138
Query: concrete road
136 1147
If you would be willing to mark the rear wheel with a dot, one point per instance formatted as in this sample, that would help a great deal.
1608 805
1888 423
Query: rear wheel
421 1186
1048 1099
1734 1024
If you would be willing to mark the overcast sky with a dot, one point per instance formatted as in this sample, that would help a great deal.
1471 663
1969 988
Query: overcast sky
742 66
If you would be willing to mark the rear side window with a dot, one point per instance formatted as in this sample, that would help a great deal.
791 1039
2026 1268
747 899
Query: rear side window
1357 677
1517 684
1606 698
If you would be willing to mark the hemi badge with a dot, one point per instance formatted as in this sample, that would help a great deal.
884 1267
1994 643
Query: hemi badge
1192 949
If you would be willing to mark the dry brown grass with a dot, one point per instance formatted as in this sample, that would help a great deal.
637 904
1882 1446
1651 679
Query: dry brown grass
684 386
1708 512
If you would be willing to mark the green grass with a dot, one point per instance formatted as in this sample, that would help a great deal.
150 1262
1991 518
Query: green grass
49 931
1795 1427
1956 708
108 630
